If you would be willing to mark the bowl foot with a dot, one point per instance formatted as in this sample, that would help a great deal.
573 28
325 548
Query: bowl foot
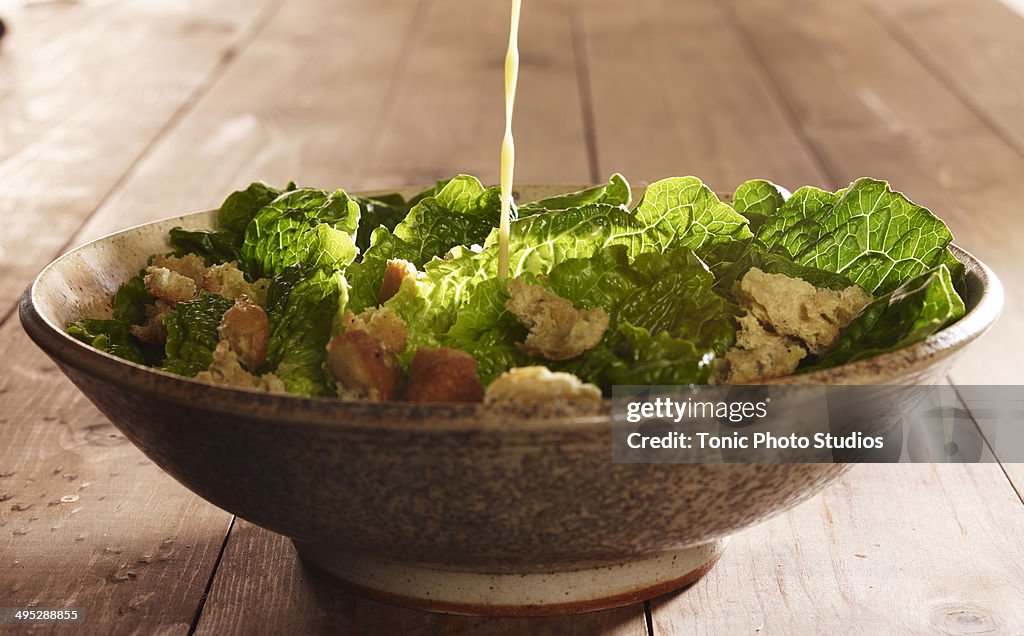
533 594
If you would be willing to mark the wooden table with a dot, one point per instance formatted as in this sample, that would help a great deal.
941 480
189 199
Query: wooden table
114 113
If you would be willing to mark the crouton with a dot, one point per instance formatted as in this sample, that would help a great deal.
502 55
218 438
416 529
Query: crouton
189 266
537 384
397 271
229 281
227 369
443 375
558 330
381 323
363 366
152 331
793 307
246 328
758 355
169 285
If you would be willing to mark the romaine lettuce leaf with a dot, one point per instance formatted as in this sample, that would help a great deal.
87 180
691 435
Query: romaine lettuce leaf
457 213
730 261
917 309
192 333
807 204
214 247
488 331
311 314
683 212
386 210
632 355
111 336
234 215
463 212
283 232
669 292
869 233
758 200
130 301
615 192
241 206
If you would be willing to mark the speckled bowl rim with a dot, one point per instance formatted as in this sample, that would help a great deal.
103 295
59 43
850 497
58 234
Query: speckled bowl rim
449 417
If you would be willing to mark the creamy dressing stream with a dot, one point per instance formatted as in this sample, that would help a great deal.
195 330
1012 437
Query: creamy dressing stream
508 147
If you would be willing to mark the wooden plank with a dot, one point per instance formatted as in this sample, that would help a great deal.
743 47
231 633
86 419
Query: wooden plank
909 549
875 110
976 47
87 87
447 115
85 519
674 93
68 533
261 570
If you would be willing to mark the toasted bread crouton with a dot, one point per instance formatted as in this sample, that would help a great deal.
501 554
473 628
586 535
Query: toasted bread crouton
381 323
229 281
443 375
363 366
794 307
758 355
246 328
169 285
558 330
152 331
227 369
190 266
533 385
397 271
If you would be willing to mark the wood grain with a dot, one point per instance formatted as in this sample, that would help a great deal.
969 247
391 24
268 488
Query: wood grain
869 107
85 519
261 569
910 549
981 56
447 113
116 74
674 93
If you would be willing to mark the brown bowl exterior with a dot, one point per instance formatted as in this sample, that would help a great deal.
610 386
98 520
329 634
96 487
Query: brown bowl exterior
456 486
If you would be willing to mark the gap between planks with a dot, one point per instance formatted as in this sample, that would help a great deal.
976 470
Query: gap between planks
201 89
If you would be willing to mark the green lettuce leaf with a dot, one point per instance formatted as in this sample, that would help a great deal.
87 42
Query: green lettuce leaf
758 200
917 309
386 210
311 314
869 233
683 212
730 261
807 204
241 207
111 336
632 355
458 212
192 333
463 212
130 301
284 232
615 192
670 292
488 331
214 247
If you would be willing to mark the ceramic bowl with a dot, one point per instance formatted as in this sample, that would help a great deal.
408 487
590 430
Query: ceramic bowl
451 507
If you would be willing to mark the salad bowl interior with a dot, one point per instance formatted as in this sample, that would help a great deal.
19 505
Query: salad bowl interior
448 507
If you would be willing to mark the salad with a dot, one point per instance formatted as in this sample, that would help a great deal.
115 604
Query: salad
320 293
